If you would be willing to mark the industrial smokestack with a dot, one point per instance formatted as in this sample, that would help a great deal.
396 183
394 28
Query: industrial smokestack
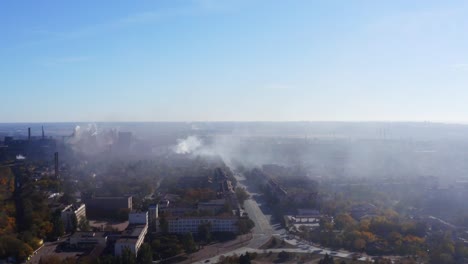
29 133
43 135
56 161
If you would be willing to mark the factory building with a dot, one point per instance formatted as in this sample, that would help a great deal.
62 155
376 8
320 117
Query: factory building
105 206
71 213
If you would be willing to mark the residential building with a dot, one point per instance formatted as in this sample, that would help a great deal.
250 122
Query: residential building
138 218
132 238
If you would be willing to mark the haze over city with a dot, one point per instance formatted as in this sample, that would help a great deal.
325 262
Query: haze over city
225 132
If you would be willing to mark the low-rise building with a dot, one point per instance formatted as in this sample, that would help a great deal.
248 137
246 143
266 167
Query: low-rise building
138 218
103 206
213 206
132 238
183 225
88 239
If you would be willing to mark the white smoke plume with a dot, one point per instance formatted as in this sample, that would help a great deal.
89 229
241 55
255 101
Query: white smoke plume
91 139
188 145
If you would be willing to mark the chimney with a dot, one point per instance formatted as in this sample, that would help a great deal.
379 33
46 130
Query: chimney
56 161
29 133
43 135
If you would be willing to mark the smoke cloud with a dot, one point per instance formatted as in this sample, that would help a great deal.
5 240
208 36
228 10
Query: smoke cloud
91 139
188 145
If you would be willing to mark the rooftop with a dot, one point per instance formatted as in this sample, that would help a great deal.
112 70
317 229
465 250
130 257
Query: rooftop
133 231
88 234
127 240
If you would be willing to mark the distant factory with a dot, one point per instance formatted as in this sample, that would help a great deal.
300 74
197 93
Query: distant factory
30 147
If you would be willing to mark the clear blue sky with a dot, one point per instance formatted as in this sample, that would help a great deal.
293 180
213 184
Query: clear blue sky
241 60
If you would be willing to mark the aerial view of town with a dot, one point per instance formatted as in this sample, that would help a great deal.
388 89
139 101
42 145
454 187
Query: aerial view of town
233 193
233 132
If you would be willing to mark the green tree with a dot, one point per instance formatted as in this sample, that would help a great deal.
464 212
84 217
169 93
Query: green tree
245 225
145 254
204 231
164 225
327 260
189 243
245 259
167 246
11 246
283 255
128 257
59 228
242 195
74 223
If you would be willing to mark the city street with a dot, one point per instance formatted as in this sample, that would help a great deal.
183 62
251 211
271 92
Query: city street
264 230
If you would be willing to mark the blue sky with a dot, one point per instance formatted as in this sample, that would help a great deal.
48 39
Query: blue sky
243 60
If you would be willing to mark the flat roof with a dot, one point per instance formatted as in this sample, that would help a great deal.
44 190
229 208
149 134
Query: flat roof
127 240
88 234
133 230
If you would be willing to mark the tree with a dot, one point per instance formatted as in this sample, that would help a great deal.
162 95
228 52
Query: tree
59 228
242 195
164 225
343 221
11 246
83 224
327 260
245 225
74 223
204 231
189 243
359 244
145 254
245 259
128 257
283 255
166 246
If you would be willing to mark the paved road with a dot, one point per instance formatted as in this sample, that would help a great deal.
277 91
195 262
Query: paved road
47 250
309 249
263 229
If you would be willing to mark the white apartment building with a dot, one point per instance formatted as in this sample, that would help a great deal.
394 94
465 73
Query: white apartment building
138 218
132 238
